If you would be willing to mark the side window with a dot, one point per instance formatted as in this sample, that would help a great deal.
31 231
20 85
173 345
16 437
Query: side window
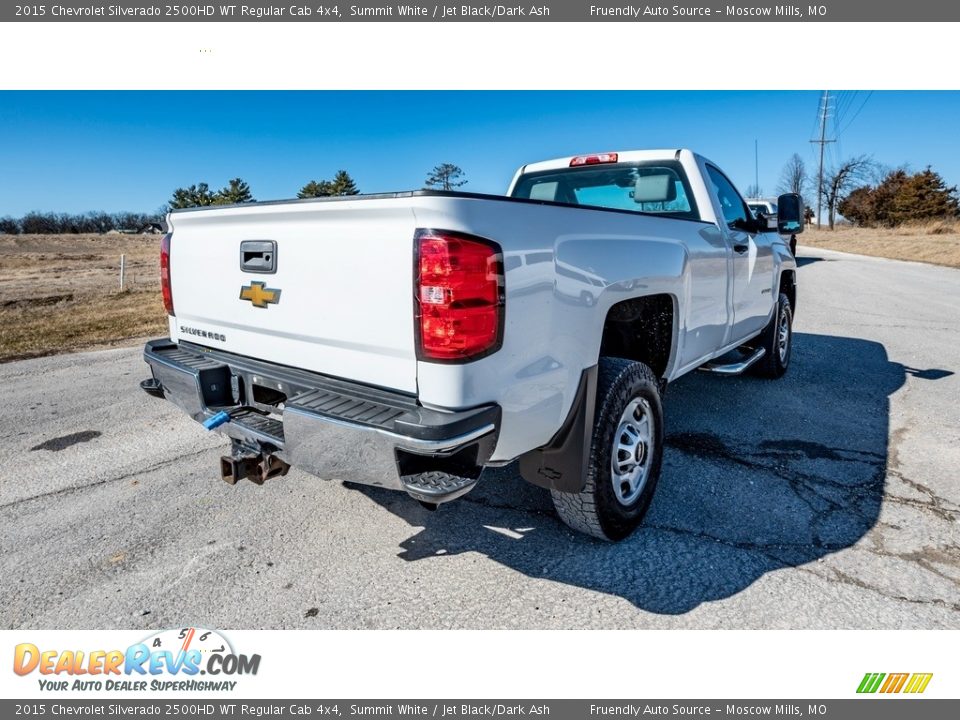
731 204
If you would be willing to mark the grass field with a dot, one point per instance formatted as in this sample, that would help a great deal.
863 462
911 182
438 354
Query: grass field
935 242
61 292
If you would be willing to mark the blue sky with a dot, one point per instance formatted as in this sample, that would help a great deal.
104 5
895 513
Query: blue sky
113 151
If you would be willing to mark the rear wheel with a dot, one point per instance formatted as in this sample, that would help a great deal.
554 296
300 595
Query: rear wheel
626 450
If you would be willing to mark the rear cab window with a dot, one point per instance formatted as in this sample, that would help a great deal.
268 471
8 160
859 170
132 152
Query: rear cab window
654 188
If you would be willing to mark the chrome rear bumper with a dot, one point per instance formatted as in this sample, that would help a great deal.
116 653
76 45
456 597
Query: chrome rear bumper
329 427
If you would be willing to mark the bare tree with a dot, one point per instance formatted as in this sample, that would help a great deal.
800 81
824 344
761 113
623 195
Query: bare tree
754 191
793 177
842 179
445 176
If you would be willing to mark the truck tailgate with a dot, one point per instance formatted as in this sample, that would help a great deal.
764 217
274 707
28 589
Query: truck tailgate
339 300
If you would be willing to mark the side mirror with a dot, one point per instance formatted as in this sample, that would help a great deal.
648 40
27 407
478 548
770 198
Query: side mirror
790 214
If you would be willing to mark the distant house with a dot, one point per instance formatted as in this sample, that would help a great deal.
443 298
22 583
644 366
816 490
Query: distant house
154 228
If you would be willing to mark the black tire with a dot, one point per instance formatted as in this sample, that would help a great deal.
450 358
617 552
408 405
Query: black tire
777 359
599 509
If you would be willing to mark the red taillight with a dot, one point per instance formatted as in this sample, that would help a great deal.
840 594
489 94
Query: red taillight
459 298
598 159
165 273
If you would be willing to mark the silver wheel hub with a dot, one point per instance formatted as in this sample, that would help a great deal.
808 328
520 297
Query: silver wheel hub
632 450
783 335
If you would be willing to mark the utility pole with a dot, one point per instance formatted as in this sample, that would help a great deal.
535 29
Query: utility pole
822 142
756 166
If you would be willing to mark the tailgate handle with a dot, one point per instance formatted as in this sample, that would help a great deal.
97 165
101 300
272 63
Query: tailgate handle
258 256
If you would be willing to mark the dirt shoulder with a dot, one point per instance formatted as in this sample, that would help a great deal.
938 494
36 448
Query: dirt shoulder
62 292
935 243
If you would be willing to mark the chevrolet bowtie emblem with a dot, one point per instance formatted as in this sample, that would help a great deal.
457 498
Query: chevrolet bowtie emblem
259 294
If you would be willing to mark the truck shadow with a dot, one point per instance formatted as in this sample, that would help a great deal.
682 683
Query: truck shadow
757 476
804 260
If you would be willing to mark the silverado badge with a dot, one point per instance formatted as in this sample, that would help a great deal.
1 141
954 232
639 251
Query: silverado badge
259 294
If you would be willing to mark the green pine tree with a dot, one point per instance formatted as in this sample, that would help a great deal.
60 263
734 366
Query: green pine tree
236 192
883 199
858 207
343 184
901 198
925 196
193 196
316 189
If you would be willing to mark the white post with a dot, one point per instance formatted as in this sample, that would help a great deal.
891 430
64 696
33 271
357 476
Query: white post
122 267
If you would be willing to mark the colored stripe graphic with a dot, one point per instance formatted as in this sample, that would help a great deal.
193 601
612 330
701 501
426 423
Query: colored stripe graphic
894 682
870 682
918 682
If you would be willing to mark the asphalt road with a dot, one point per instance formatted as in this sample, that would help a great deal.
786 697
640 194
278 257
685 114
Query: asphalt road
829 499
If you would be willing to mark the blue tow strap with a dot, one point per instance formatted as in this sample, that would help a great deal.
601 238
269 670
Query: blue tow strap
217 420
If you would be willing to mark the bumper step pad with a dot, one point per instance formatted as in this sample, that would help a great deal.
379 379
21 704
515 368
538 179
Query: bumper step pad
264 425
434 488
354 409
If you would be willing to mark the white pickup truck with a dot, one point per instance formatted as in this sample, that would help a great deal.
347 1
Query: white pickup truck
409 340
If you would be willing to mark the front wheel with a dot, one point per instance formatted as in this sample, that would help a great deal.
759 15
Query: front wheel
626 450
777 340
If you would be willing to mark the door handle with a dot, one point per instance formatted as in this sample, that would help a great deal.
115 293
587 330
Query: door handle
258 256
741 247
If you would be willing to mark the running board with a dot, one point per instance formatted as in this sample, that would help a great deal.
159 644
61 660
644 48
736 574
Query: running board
734 368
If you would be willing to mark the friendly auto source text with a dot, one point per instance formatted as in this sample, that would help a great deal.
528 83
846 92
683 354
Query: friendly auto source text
639 11
730 709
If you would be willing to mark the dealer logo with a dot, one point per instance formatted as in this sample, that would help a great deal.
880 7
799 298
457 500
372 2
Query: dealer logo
168 660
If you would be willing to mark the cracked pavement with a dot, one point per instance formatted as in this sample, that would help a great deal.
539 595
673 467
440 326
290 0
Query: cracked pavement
829 499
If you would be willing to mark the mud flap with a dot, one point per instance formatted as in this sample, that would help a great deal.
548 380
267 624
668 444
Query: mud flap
561 464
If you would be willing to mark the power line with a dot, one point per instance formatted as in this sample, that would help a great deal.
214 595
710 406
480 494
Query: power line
859 109
836 151
816 122
844 105
839 99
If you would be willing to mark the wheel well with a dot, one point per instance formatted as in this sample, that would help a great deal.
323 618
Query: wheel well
640 329
788 286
